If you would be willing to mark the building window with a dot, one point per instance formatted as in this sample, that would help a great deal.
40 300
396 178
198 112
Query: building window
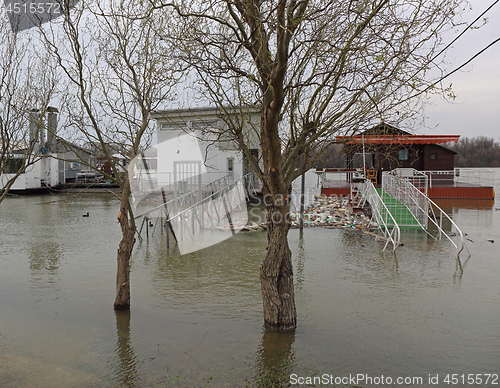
13 165
170 126
403 154
433 156
230 164
203 125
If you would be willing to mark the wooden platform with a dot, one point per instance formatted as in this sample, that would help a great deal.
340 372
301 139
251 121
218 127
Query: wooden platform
459 191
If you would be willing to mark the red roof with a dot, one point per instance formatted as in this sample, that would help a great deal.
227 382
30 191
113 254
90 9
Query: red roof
397 139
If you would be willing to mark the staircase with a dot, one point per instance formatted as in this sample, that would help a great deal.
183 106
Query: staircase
402 215
381 214
201 217
418 208
399 204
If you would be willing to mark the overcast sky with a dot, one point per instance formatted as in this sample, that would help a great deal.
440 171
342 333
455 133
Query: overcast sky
476 110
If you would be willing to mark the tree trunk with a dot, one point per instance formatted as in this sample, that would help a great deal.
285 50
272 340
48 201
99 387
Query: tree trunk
276 272
122 300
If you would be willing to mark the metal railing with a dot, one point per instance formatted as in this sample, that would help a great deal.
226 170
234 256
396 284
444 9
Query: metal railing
187 215
383 217
422 207
335 176
184 201
398 184
419 179
212 212
178 204
475 176
460 176
145 182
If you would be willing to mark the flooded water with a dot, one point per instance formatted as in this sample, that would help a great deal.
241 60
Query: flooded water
196 319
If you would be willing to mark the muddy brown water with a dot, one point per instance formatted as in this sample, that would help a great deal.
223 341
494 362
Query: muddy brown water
196 319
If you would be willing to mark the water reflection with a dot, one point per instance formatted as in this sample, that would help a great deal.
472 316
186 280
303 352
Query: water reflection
479 204
275 359
460 267
126 372
301 258
44 252
225 274
44 263
359 309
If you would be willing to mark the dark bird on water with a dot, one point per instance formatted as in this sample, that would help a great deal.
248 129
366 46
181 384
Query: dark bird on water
86 215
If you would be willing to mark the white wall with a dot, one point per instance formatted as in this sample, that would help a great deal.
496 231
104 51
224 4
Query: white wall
312 188
179 145
46 169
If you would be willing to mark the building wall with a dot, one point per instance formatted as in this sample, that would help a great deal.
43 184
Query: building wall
437 158
175 145
214 149
393 159
30 179
420 157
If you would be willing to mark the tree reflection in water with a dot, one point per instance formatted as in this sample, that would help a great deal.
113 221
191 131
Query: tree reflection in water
275 359
126 369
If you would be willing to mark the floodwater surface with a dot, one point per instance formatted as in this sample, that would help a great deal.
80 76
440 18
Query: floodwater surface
196 319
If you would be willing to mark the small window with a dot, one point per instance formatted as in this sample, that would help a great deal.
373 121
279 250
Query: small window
207 124
403 154
170 126
230 164
13 165
433 156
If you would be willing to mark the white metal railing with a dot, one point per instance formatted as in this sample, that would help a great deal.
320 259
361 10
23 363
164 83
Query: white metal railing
475 176
147 183
210 212
422 206
436 217
398 184
176 205
383 217
460 176
419 179
333 176
188 214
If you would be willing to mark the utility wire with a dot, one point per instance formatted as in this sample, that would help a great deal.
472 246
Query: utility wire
452 72
445 48
469 26
460 35
464 64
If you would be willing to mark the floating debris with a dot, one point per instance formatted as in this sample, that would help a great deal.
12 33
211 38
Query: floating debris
332 212
329 212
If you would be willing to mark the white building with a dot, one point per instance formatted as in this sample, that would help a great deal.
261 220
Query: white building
196 143
55 161
43 173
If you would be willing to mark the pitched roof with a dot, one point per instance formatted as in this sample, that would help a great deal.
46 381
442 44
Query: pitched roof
388 134
405 139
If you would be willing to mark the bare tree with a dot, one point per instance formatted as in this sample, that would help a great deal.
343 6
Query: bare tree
477 151
315 69
26 87
117 74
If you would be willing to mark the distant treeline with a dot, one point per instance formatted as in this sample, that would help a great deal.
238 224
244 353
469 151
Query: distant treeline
477 151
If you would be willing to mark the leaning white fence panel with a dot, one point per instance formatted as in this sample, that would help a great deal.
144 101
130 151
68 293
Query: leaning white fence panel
189 220
381 214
